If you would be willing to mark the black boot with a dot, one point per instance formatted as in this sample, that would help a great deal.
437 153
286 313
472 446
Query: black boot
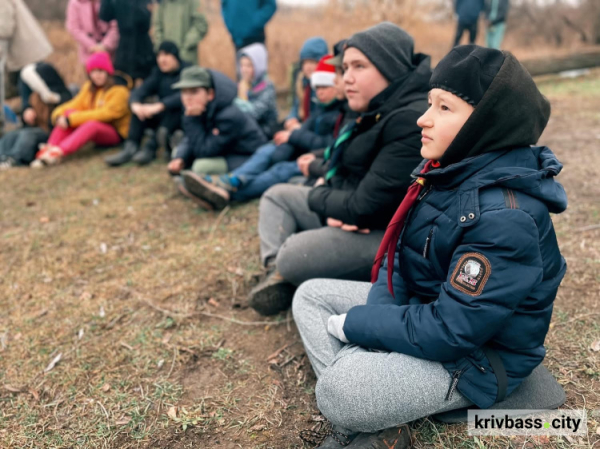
272 295
393 438
124 156
147 154
335 438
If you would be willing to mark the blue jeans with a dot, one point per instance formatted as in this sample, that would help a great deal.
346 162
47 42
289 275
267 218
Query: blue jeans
495 35
258 163
255 186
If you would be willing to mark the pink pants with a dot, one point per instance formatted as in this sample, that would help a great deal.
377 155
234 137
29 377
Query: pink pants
72 139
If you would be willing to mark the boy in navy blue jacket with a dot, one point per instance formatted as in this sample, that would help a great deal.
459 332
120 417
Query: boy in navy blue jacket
460 316
219 137
275 162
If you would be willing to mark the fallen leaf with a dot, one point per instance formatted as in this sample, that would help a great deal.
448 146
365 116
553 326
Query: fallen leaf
258 428
53 363
213 302
18 336
123 421
34 394
103 248
86 296
80 334
105 387
125 345
101 313
160 363
597 430
12 389
44 220
95 202
595 346
172 412
29 204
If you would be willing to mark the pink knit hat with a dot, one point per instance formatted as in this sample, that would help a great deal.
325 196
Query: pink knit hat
100 61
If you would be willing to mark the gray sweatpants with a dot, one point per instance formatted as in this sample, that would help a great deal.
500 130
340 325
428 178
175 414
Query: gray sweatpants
359 389
305 249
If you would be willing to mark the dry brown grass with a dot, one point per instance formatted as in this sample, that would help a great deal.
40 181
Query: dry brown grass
113 270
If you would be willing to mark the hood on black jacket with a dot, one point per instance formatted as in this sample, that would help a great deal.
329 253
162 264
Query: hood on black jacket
512 114
225 92
405 90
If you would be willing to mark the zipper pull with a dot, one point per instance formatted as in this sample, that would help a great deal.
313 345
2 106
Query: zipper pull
427 242
453 385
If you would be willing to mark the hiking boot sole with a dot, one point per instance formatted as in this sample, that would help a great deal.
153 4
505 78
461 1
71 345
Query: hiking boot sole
199 202
270 299
197 185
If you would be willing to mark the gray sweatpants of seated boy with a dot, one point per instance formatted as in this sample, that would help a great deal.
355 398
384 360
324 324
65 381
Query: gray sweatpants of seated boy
303 248
359 389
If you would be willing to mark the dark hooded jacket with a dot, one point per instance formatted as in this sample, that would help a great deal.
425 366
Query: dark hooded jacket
477 264
135 53
223 130
160 84
374 171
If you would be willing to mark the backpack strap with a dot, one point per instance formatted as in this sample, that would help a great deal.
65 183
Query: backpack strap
499 372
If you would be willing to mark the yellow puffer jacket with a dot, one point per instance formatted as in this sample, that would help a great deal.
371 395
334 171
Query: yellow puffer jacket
107 106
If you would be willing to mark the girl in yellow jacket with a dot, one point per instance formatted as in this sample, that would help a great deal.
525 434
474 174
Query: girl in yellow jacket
99 113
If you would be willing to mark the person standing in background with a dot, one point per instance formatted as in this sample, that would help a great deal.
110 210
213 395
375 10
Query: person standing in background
468 12
135 54
496 12
246 20
180 22
22 42
92 34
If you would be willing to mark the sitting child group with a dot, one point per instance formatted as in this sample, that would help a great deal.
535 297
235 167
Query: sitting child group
404 212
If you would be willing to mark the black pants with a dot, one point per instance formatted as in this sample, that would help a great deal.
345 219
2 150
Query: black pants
170 120
471 28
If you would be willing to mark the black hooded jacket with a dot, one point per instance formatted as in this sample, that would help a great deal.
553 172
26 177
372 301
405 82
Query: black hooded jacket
223 130
375 169
135 53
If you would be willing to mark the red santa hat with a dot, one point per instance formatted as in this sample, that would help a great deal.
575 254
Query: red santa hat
324 75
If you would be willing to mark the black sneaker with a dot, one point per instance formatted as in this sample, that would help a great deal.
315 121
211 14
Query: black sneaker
272 295
393 438
196 184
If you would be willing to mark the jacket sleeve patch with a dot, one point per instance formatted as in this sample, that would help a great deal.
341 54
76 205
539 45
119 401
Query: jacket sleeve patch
471 274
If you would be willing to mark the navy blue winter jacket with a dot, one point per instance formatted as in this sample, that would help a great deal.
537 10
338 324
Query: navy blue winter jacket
223 130
477 264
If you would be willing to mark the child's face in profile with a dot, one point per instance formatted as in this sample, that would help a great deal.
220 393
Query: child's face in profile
246 69
196 99
441 123
326 94
99 77
308 67
362 80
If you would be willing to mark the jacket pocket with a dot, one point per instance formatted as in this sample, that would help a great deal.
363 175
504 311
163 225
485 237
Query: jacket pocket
427 244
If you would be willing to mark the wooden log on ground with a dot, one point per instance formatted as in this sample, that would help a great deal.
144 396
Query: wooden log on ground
583 59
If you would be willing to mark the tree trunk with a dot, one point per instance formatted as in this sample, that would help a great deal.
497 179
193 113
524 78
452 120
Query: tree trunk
581 60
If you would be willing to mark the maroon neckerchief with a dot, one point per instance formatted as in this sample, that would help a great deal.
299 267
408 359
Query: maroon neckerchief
307 101
392 233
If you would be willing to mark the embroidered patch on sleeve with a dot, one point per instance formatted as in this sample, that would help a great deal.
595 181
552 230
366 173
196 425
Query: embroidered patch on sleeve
471 274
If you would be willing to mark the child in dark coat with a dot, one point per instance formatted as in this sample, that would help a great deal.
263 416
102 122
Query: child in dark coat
219 137
466 273
157 119
272 164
